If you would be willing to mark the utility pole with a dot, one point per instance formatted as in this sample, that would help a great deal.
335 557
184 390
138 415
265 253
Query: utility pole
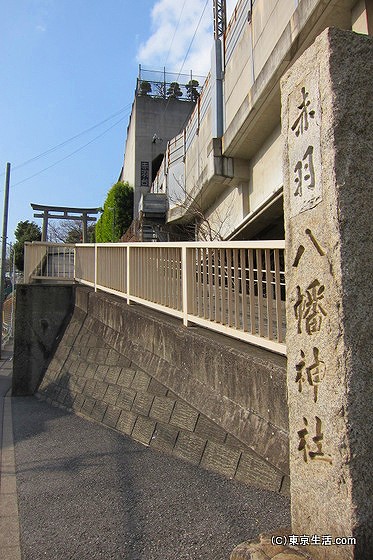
3 249
217 67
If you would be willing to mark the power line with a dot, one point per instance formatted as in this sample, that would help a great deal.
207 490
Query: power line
69 155
176 28
65 142
194 36
190 46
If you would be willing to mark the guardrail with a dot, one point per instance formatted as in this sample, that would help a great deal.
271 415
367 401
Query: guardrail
236 288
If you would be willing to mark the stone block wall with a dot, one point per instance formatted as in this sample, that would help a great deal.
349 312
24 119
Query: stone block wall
108 367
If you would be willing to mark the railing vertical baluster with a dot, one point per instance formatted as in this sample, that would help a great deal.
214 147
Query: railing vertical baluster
230 287
198 257
236 290
129 271
135 272
205 283
278 296
156 287
168 278
180 279
260 291
210 272
216 290
96 266
166 286
143 274
184 277
147 272
223 256
269 293
163 278
154 275
252 292
173 269
244 289
193 282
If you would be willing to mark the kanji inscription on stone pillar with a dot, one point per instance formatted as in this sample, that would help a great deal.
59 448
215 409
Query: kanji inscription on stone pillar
327 123
304 146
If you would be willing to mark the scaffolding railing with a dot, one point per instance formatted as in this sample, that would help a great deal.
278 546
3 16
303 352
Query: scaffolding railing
160 84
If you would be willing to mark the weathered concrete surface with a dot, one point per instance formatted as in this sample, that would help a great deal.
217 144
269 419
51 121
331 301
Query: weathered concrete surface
87 492
328 190
202 397
263 548
42 314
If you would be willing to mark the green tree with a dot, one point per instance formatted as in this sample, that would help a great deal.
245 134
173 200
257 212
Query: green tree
117 213
174 90
145 88
25 231
192 92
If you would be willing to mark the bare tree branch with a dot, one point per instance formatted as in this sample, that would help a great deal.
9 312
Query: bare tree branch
199 224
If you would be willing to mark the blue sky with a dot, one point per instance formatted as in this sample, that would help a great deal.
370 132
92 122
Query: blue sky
69 65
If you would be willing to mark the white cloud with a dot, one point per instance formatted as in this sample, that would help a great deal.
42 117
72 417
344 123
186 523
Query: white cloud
166 48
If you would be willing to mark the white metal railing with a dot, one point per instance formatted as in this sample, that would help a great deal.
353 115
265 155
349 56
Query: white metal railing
236 288
54 261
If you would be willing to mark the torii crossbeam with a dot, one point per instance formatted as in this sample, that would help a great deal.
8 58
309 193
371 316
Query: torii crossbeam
65 213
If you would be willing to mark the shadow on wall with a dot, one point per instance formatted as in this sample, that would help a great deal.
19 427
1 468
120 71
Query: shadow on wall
43 313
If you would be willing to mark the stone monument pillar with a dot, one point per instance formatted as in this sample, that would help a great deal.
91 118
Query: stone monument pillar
327 122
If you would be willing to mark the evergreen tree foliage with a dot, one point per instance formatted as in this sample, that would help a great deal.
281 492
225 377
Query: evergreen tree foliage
192 91
25 231
145 88
174 90
117 213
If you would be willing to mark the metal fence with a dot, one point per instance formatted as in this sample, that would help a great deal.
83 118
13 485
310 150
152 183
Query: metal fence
49 260
166 85
8 318
236 288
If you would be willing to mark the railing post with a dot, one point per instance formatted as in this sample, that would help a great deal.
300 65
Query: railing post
96 266
74 264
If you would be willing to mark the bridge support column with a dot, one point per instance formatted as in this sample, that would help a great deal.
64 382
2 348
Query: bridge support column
327 121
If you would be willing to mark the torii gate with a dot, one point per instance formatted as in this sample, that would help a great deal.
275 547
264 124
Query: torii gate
64 213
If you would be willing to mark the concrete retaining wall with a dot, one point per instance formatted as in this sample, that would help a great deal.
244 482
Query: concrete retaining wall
203 397
42 314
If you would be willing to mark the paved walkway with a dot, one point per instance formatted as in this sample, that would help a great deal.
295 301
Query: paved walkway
9 519
87 492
